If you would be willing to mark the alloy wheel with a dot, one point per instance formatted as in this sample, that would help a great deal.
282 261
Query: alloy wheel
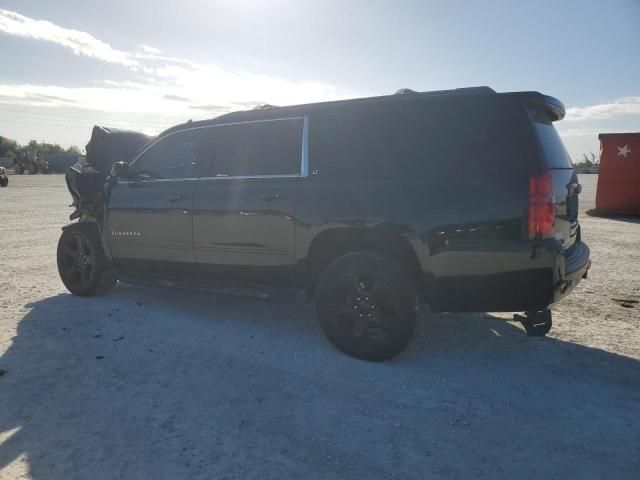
365 307
78 260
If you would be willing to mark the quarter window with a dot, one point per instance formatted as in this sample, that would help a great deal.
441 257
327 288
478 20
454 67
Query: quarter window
175 156
257 148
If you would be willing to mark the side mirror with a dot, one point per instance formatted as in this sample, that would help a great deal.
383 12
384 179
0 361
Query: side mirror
120 170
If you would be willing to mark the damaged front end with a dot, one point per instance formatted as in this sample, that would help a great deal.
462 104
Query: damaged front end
88 190
87 180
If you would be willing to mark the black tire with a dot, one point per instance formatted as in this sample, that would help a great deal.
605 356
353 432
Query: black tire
4 182
366 305
83 267
33 169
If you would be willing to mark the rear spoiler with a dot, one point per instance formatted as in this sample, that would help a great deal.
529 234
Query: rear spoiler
553 107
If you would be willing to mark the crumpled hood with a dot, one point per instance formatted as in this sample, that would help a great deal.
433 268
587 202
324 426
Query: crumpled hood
109 145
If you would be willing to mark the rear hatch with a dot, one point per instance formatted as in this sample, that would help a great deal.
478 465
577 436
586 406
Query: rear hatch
557 165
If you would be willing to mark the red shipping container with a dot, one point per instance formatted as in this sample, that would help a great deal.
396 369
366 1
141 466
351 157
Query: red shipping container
619 176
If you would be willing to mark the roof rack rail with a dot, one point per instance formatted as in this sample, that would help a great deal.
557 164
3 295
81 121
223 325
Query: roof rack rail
264 106
405 91
454 91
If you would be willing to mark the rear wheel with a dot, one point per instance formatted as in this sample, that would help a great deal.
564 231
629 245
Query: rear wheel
366 305
82 264
33 169
4 182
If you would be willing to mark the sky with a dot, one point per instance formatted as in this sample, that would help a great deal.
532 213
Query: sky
148 65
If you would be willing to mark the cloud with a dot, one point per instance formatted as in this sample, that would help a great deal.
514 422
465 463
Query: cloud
158 83
176 98
181 96
149 50
175 90
620 107
579 132
211 108
81 43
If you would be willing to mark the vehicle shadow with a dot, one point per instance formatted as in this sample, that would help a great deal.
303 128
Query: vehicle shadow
148 384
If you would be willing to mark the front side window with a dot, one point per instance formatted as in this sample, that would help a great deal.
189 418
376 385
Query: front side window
175 156
257 148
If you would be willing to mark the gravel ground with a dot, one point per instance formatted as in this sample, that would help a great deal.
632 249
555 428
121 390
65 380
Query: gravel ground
145 383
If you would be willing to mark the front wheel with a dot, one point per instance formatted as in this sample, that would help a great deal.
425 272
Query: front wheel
83 267
4 182
366 305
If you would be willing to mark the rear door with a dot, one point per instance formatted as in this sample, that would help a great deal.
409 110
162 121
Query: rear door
150 216
566 188
244 207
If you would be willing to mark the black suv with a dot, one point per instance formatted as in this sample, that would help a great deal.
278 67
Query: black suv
463 200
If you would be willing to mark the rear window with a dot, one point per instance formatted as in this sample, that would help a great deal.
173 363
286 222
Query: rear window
555 155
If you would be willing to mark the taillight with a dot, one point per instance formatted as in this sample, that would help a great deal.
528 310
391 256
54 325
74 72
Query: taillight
541 206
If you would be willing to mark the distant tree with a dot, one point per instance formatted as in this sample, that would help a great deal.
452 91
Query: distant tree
43 148
590 160
73 150
586 162
8 147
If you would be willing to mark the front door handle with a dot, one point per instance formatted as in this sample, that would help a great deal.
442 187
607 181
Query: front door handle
268 197
175 198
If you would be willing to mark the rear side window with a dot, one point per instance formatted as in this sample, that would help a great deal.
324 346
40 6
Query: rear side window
422 140
555 155
260 148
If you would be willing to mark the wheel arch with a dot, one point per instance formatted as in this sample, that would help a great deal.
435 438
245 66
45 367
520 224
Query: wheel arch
390 240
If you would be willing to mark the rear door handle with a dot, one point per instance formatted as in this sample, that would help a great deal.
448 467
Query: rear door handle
175 198
268 197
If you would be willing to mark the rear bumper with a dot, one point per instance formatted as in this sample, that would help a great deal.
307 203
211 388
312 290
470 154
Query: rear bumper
571 267
533 281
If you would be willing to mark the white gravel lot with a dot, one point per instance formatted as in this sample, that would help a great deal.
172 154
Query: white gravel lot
145 383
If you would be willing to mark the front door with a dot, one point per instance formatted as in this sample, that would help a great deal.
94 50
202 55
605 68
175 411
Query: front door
244 206
150 214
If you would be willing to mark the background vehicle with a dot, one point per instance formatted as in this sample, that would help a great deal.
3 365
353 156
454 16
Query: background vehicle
4 180
465 200
28 161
